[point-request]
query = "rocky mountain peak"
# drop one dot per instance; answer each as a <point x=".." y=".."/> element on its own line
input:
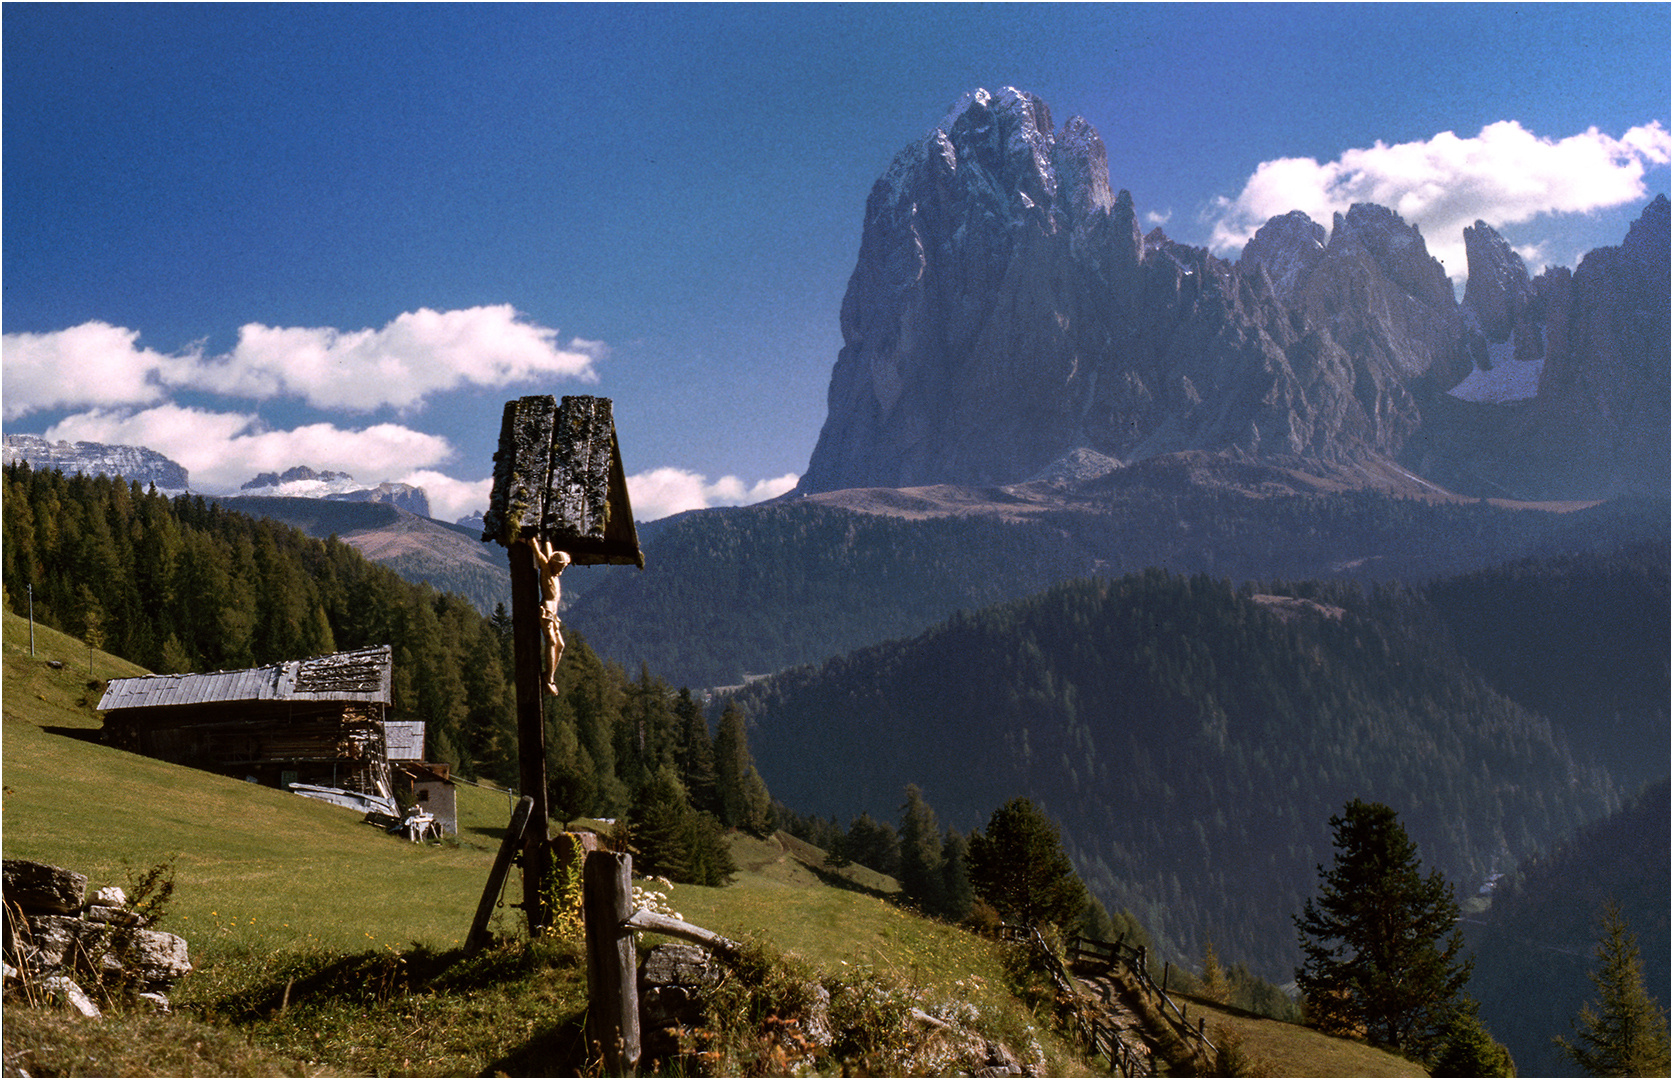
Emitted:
<point x="1646" y="241"/>
<point x="1006" y="310"/>
<point x="1498" y="289"/>
<point x="1398" y="248"/>
<point x="1287" y="247"/>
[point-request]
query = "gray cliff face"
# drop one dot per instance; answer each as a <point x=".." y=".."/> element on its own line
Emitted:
<point x="1005" y="310"/>
<point x="413" y="500"/>
<point x="1499" y="294"/>
<point x="131" y="463"/>
<point x="1591" y="421"/>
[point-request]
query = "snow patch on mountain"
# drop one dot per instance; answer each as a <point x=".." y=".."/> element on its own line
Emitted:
<point x="302" y="482"/>
<point x="1505" y="379"/>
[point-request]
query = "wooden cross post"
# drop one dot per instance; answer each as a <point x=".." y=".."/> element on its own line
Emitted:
<point x="560" y="498"/>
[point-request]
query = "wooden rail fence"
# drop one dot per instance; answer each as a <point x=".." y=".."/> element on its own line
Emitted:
<point x="1090" y="952"/>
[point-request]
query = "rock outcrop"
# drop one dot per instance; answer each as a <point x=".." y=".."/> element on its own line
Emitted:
<point x="1569" y="394"/>
<point x="1005" y="310"/>
<point x="57" y="942"/>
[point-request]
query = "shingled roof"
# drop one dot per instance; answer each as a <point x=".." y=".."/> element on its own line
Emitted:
<point x="362" y="675"/>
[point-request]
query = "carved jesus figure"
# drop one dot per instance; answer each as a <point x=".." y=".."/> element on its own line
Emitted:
<point x="550" y="562"/>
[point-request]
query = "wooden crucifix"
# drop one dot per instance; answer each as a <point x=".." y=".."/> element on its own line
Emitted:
<point x="560" y="499"/>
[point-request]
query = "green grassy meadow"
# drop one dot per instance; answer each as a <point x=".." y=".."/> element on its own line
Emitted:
<point x="323" y="946"/>
<point x="250" y="862"/>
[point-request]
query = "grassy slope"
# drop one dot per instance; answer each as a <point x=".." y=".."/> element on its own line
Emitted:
<point x="263" y="873"/>
<point x="248" y="859"/>
<point x="1274" y="1048"/>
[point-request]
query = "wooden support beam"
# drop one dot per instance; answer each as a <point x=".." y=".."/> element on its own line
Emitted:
<point x="478" y="937"/>
<point x="612" y="967"/>
<point x="651" y="922"/>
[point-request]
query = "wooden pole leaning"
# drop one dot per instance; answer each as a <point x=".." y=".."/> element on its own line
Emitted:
<point x="478" y="936"/>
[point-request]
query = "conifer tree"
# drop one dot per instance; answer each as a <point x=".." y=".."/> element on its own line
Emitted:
<point x="955" y="876"/>
<point x="873" y="844"/>
<point x="696" y="752"/>
<point x="661" y="827"/>
<point x="1019" y="867"/>
<point x="1380" y="943"/>
<point x="744" y="801"/>
<point x="921" y="871"/>
<point x="1214" y="986"/>
<point x="1468" y="1049"/>
<point x="1624" y="1031"/>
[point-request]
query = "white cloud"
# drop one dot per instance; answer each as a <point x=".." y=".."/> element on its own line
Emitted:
<point x="222" y="450"/>
<point x="1158" y="218"/>
<point x="91" y="364"/>
<point x="416" y="355"/>
<point x="1504" y="175"/>
<point x="665" y="491"/>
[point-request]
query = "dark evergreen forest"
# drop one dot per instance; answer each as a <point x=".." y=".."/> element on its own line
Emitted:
<point x="760" y="588"/>
<point x="1534" y="946"/>
<point x="189" y="585"/>
<point x="1193" y="737"/>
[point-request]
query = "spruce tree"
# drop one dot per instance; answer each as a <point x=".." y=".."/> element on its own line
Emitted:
<point x="1214" y="986"/>
<point x="661" y="827"/>
<point x="744" y="801"/>
<point x="1381" y="947"/>
<point x="1468" y="1049"/>
<point x="1624" y="1032"/>
<point x="955" y="876"/>
<point x="1018" y="866"/>
<point x="697" y="753"/>
<point x="921" y="872"/>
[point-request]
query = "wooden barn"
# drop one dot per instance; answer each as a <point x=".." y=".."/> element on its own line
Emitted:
<point x="314" y="722"/>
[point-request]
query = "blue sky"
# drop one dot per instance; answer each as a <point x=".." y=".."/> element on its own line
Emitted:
<point x="343" y="236"/>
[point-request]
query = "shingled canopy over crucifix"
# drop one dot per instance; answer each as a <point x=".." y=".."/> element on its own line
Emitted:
<point x="560" y="498"/>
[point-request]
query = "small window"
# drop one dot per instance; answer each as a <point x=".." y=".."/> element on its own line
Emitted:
<point x="423" y="794"/>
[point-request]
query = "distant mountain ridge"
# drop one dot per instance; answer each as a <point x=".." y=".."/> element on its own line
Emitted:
<point x="1192" y="739"/>
<point x="303" y="482"/>
<point x="1005" y="309"/>
<point x="133" y="463"/>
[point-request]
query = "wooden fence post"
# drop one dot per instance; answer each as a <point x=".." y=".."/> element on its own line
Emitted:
<point x="612" y="968"/>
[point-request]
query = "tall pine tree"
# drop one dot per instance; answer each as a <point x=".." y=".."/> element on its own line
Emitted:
<point x="1019" y="867"/>
<point x="1380" y="943"/>
<point x="1624" y="1032"/>
<point x="922" y="873"/>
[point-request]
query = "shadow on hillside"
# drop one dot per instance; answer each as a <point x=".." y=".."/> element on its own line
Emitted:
<point x="85" y="734"/>
<point x="838" y="881"/>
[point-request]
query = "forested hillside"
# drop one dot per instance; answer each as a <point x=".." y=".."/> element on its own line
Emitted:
<point x="190" y="585"/>
<point x="452" y="558"/>
<point x="1192" y="738"/>
<point x="1536" y="943"/>
<point x="756" y="589"/>
<point x="1581" y="639"/>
